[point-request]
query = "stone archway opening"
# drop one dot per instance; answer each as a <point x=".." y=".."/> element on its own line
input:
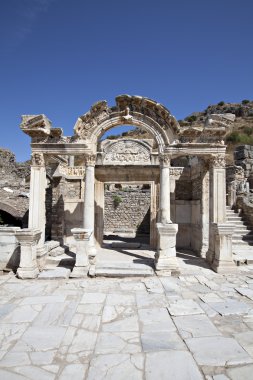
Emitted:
<point x="127" y="213"/>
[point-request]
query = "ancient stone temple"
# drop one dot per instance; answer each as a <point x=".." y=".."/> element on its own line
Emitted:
<point x="183" y="169"/>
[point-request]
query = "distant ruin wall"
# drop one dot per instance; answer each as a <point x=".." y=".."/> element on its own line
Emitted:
<point x="243" y="157"/>
<point x="127" y="210"/>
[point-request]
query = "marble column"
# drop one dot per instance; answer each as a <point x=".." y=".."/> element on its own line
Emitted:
<point x="166" y="247"/>
<point x="28" y="239"/>
<point x="204" y="210"/>
<point x="85" y="242"/>
<point x="37" y="207"/>
<point x="219" y="253"/>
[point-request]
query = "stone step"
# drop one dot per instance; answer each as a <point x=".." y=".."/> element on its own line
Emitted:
<point x="125" y="245"/>
<point x="51" y="244"/>
<point x="124" y="269"/>
<point x="54" y="274"/>
<point x="58" y="251"/>
<point x="63" y="260"/>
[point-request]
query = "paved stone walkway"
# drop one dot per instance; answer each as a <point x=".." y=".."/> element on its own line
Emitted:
<point x="195" y="326"/>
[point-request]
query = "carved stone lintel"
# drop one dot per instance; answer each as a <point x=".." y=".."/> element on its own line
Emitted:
<point x="218" y="161"/>
<point x="90" y="160"/>
<point x="38" y="159"/>
<point x="165" y="160"/>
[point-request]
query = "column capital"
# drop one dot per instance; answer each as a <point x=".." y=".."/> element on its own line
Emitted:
<point x="90" y="160"/>
<point x="217" y="161"/>
<point x="38" y="159"/>
<point x="165" y="159"/>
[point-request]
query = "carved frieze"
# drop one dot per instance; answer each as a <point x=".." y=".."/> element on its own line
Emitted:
<point x="126" y="152"/>
<point x="73" y="171"/>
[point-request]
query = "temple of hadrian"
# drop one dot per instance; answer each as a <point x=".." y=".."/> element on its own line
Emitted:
<point x="183" y="168"/>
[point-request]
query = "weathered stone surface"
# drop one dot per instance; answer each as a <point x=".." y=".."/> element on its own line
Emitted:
<point x="230" y="307"/>
<point x="171" y="365"/>
<point x="118" y="342"/>
<point x="161" y="340"/>
<point x="240" y="373"/>
<point x="75" y="371"/>
<point x="184" y="307"/>
<point x="93" y="298"/>
<point x="40" y="339"/>
<point x="195" y="326"/>
<point x="116" y="366"/>
<point x="217" y="351"/>
<point x="156" y="319"/>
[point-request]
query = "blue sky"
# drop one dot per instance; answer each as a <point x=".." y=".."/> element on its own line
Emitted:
<point x="58" y="57"/>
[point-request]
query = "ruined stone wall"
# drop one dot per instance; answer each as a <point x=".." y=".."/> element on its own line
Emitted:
<point x="243" y="157"/>
<point x="127" y="210"/>
<point x="245" y="204"/>
<point x="13" y="187"/>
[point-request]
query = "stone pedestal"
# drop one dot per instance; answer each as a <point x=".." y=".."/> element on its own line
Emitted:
<point x="28" y="239"/>
<point x="166" y="250"/>
<point x="82" y="237"/>
<point x="223" y="256"/>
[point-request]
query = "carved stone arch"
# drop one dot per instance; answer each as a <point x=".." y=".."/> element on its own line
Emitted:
<point x="10" y="210"/>
<point x="129" y="110"/>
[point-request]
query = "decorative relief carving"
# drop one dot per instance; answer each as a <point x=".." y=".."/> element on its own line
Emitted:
<point x="127" y="115"/>
<point x="90" y="160"/>
<point x="87" y="122"/>
<point x="218" y="161"/>
<point x="176" y="172"/>
<point x="126" y="152"/>
<point x="38" y="159"/>
<point x="73" y="171"/>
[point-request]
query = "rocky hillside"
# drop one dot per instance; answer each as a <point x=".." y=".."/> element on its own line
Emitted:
<point x="241" y="132"/>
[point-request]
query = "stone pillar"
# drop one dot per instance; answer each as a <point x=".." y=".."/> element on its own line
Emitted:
<point x="166" y="247"/>
<point x="37" y="207"/>
<point x="204" y="210"/>
<point x="219" y="252"/>
<point x="28" y="239"/>
<point x="85" y="242"/>
<point x="82" y="237"/>
<point x="99" y="212"/>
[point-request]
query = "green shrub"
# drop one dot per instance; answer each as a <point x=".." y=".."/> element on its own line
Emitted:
<point x="247" y="130"/>
<point x="117" y="200"/>
<point x="237" y="137"/>
<point x="221" y="103"/>
<point x="191" y="118"/>
<point x="245" y="101"/>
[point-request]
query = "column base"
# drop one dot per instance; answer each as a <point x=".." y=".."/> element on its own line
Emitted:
<point x="169" y="264"/>
<point x="82" y="237"/>
<point x="79" y="272"/>
<point x="27" y="273"/>
<point x="223" y="257"/>
<point x="224" y="267"/>
<point x="166" y="253"/>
